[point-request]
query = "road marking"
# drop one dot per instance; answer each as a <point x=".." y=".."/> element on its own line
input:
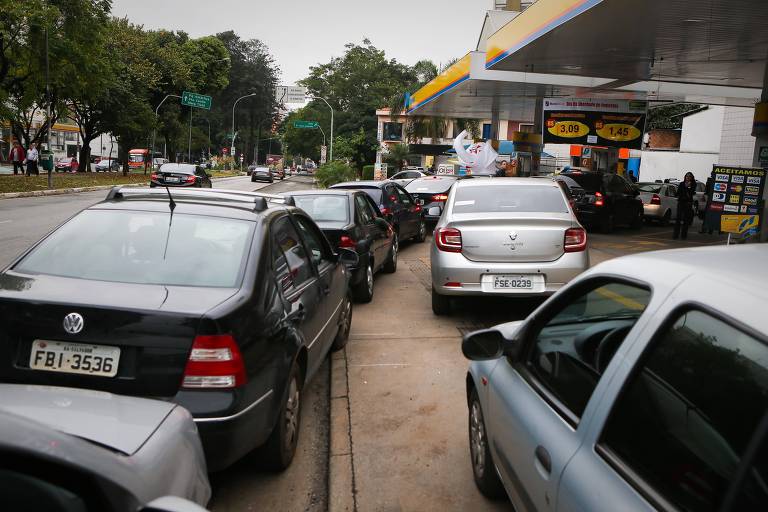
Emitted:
<point x="624" y="301"/>
<point x="5" y="221"/>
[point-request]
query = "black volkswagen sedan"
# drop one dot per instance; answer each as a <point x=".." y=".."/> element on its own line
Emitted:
<point x="180" y="175"/>
<point x="396" y="205"/>
<point x="219" y="301"/>
<point x="351" y="220"/>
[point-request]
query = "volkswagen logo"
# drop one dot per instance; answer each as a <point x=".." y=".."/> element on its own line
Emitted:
<point x="74" y="323"/>
<point x="513" y="236"/>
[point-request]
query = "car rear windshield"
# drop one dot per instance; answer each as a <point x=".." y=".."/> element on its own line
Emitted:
<point x="653" y="188"/>
<point x="510" y="199"/>
<point x="588" y="181"/>
<point x="430" y="185"/>
<point x="373" y="192"/>
<point x="325" y="208"/>
<point x="177" y="169"/>
<point x="145" y="247"/>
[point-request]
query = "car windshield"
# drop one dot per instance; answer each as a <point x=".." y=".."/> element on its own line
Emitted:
<point x="144" y="247"/>
<point x="324" y="208"/>
<point x="653" y="188"/>
<point x="509" y="199"/>
<point x="136" y="158"/>
<point x="430" y="185"/>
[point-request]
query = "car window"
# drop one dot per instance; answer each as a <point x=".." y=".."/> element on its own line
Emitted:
<point x="391" y="195"/>
<point x="572" y="350"/>
<point x="405" y="199"/>
<point x="688" y="413"/>
<point x="372" y="207"/>
<point x="399" y="176"/>
<point x="314" y="239"/>
<point x="324" y="208"/>
<point x="509" y="199"/>
<point x="671" y="191"/>
<point x="752" y="491"/>
<point x="613" y="184"/>
<point x="363" y="210"/>
<point x="286" y="240"/>
<point x="652" y="188"/>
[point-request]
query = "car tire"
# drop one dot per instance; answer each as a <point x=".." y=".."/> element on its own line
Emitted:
<point x="253" y="180"/>
<point x="363" y="291"/>
<point x="637" y="222"/>
<point x="345" y="324"/>
<point x="280" y="448"/>
<point x="483" y="469"/>
<point x="390" y="267"/>
<point x="606" y="224"/>
<point x="422" y="234"/>
<point x="441" y="304"/>
<point x="665" y="220"/>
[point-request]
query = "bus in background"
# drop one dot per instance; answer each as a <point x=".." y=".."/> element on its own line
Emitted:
<point x="139" y="159"/>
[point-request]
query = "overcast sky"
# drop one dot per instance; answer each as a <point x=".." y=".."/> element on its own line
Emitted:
<point x="302" y="33"/>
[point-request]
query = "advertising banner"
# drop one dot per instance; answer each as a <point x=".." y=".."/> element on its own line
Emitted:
<point x="736" y="197"/>
<point x="603" y="122"/>
<point x="380" y="172"/>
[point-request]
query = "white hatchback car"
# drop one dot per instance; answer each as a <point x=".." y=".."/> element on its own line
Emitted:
<point x="505" y="236"/>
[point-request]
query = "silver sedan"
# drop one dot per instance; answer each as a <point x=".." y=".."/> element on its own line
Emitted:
<point x="505" y="236"/>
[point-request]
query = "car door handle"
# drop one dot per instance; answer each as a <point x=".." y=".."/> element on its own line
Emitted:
<point x="542" y="455"/>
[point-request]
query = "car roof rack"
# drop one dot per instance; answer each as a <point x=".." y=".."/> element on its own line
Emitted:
<point x="258" y="200"/>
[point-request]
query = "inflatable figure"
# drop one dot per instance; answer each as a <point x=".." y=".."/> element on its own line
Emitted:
<point x="479" y="158"/>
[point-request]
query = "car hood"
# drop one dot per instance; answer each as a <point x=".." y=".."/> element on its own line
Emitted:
<point x="120" y="423"/>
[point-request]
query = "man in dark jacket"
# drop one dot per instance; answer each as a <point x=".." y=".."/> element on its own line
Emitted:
<point x="685" y="192"/>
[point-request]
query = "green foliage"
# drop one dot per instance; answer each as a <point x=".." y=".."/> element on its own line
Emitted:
<point x="368" y="172"/>
<point x="397" y="157"/>
<point x="332" y="173"/>
<point x="668" y="117"/>
<point x="353" y="148"/>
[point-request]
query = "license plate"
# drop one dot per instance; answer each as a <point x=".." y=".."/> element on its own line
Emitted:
<point x="512" y="282"/>
<point x="59" y="356"/>
<point x="172" y="179"/>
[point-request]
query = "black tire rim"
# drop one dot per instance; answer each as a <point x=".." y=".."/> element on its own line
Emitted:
<point x="477" y="440"/>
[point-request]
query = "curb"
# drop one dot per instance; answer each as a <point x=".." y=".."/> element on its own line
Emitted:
<point x="341" y="475"/>
<point x="62" y="191"/>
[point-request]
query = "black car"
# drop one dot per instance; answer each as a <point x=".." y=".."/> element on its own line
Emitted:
<point x="218" y="301"/>
<point x="351" y="220"/>
<point x="180" y="175"/>
<point x="262" y="174"/>
<point x="432" y="191"/>
<point x="607" y="200"/>
<point x="396" y="205"/>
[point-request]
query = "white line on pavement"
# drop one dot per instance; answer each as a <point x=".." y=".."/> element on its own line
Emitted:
<point x="5" y="221"/>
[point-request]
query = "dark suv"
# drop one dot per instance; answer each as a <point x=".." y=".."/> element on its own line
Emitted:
<point x="608" y="200"/>
<point x="396" y="205"/>
<point x="218" y="301"/>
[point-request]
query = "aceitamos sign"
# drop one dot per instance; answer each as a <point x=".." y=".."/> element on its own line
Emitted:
<point x="598" y="122"/>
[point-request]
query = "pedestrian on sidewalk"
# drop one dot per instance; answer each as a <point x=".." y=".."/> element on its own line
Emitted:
<point x="685" y="193"/>
<point x="17" y="156"/>
<point x="32" y="158"/>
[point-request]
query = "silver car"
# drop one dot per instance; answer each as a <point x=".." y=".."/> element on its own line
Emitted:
<point x="133" y="450"/>
<point x="659" y="201"/>
<point x="643" y="385"/>
<point x="505" y="236"/>
<point x="407" y="176"/>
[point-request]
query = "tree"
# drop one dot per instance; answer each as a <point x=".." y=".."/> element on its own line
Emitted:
<point x="353" y="148"/>
<point x="304" y="142"/>
<point x="332" y="173"/>
<point x="397" y="156"/>
<point x="668" y="116"/>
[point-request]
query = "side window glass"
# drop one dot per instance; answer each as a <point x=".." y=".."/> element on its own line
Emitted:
<point x="404" y="197"/>
<point x="752" y="493"/>
<point x="687" y="414"/>
<point x="391" y="196"/>
<point x="361" y="205"/>
<point x="573" y="349"/>
<point x="372" y="208"/>
<point x="314" y="240"/>
<point x="289" y="254"/>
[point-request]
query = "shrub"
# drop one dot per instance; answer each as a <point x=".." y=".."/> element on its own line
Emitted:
<point x="368" y="172"/>
<point x="332" y="173"/>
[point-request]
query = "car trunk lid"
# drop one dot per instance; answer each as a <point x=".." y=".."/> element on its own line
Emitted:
<point x="512" y="238"/>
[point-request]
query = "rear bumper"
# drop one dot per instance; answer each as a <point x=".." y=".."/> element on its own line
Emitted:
<point x="229" y="436"/>
<point x="154" y="183"/>
<point x="476" y="278"/>
<point x="655" y="211"/>
<point x="261" y="178"/>
<point x="590" y="217"/>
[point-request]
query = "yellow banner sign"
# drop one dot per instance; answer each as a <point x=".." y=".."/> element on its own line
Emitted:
<point x="619" y="132"/>
<point x="569" y="129"/>
<point x="738" y="223"/>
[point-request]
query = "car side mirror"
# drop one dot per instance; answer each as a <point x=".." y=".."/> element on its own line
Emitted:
<point x="172" y="504"/>
<point x="434" y="211"/>
<point x="488" y="344"/>
<point x="349" y="258"/>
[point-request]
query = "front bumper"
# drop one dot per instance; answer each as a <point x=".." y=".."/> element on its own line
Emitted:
<point x="476" y="278"/>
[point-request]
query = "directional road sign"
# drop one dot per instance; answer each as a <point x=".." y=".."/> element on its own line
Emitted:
<point x="291" y="94"/>
<point x="192" y="99"/>
<point x="308" y="125"/>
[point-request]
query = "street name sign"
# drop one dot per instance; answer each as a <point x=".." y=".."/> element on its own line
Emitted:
<point x="192" y="99"/>
<point x="307" y="125"/>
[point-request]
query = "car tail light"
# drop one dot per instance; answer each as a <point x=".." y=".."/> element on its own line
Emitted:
<point x="655" y="199"/>
<point x="575" y="240"/>
<point x="384" y="210"/>
<point x="440" y="198"/>
<point x="154" y="176"/>
<point x="346" y="242"/>
<point x="214" y="363"/>
<point x="452" y="284"/>
<point x="599" y="199"/>
<point x="191" y="178"/>
<point x="448" y="239"/>
<point x="393" y="198"/>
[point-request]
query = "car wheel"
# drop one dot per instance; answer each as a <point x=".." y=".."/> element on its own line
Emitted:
<point x="637" y="222"/>
<point x="363" y="291"/>
<point x="606" y="224"/>
<point x="390" y="267"/>
<point x="281" y="445"/>
<point x="422" y="235"/>
<point x="486" y="478"/>
<point x="253" y="180"/>
<point x="441" y="304"/>
<point x="666" y="218"/>
<point x="345" y="324"/>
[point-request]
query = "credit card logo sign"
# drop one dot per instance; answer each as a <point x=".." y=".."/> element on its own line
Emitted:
<point x="730" y="208"/>
<point x="720" y="198"/>
<point x="734" y="199"/>
<point x="750" y="200"/>
<point x="737" y="188"/>
<point x="737" y="179"/>
<point x="754" y="180"/>
<point x="721" y="177"/>
<point x="716" y="207"/>
<point x="751" y="190"/>
<point x="721" y="187"/>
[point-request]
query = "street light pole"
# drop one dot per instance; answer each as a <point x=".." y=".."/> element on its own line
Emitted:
<point x="330" y="107"/>
<point x="48" y="100"/>
<point x="154" y="131"/>
<point x="232" y="148"/>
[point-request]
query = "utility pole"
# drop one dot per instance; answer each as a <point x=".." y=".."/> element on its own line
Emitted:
<point x="189" y="146"/>
<point x="330" y="159"/>
<point x="48" y="99"/>
<point x="232" y="148"/>
<point x="154" y="132"/>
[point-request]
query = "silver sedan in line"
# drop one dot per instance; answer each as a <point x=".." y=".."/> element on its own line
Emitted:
<point x="509" y="237"/>
<point x="98" y="451"/>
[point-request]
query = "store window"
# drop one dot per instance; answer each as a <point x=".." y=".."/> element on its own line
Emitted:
<point x="393" y="131"/>
<point x="486" y="131"/>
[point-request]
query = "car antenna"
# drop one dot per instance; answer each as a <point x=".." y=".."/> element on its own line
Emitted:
<point x="172" y="206"/>
<point x="171" y="202"/>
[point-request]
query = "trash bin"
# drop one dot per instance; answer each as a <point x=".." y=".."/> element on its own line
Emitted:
<point x="46" y="160"/>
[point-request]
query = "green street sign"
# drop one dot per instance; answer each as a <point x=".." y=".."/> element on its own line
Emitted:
<point x="192" y="99"/>
<point x="308" y="125"/>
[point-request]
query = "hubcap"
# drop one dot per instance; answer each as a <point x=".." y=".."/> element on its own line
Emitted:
<point x="422" y="230"/>
<point x="477" y="439"/>
<point x="346" y="321"/>
<point x="292" y="414"/>
<point x="369" y="278"/>
<point x="395" y="250"/>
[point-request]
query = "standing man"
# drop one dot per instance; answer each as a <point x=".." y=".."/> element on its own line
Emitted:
<point x="17" y="156"/>
<point x="32" y="158"/>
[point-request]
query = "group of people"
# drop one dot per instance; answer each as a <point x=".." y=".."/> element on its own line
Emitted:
<point x="19" y="157"/>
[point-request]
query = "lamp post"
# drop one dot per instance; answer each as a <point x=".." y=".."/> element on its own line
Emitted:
<point x="48" y="99"/>
<point x="232" y="148"/>
<point x="330" y="159"/>
<point x="154" y="131"/>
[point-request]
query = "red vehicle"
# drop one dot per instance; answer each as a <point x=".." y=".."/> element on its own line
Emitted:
<point x="139" y="159"/>
<point x="66" y="164"/>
